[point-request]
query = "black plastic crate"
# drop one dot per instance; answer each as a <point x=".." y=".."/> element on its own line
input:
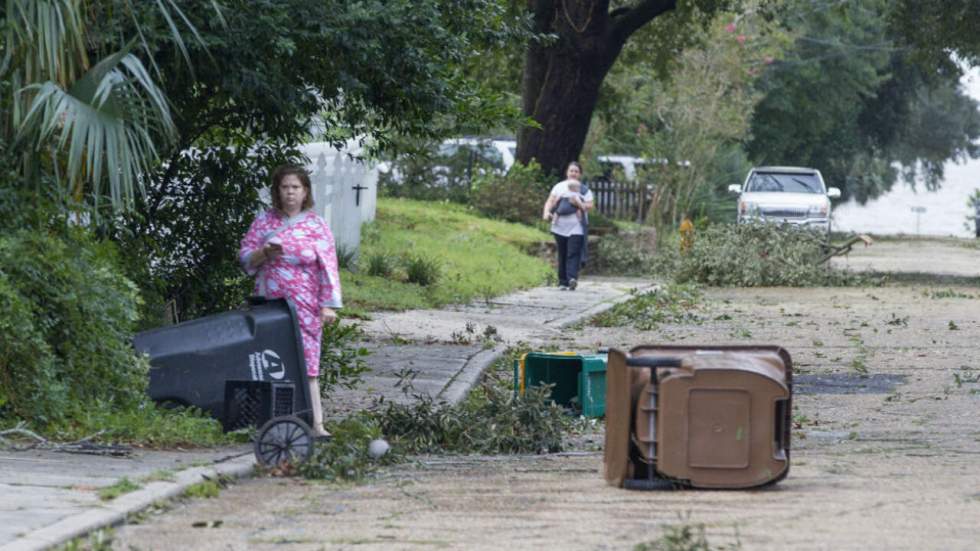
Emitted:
<point x="252" y="403"/>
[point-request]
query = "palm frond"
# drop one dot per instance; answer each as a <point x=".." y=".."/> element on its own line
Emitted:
<point x="106" y="124"/>
<point x="44" y="38"/>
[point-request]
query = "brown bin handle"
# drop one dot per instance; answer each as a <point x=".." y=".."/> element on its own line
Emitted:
<point x="653" y="362"/>
<point x="781" y="429"/>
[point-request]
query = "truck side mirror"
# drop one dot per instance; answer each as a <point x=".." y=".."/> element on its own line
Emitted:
<point x="735" y="188"/>
<point x="833" y="193"/>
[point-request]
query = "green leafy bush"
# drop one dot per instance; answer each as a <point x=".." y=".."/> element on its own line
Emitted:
<point x="67" y="366"/>
<point x="342" y="357"/>
<point x="758" y="255"/>
<point x="65" y="327"/>
<point x="422" y="270"/>
<point x="620" y="254"/>
<point x="516" y="197"/>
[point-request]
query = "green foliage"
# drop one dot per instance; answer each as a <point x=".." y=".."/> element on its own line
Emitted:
<point x="67" y="366"/>
<point x="479" y="258"/>
<point x="517" y="196"/>
<point x="100" y="540"/>
<point x="342" y="361"/>
<point x="685" y="537"/>
<point x="422" y="270"/>
<point x="145" y="424"/>
<point x="696" y="119"/>
<point x="65" y="329"/>
<point x="345" y="456"/>
<point x="380" y="265"/>
<point x="491" y="420"/>
<point x="673" y="303"/>
<point x="934" y="28"/>
<point x="848" y="99"/>
<point x="621" y="254"/>
<point x="563" y="76"/>
<point x="346" y="258"/>
<point x="206" y="489"/>
<point x="973" y="203"/>
<point x="431" y="171"/>
<point x="86" y="118"/>
<point x="758" y="255"/>
<point x="182" y="242"/>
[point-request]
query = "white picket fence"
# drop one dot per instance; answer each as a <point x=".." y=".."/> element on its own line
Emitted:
<point x="345" y="190"/>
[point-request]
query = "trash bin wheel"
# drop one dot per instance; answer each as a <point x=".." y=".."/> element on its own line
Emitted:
<point x="283" y="439"/>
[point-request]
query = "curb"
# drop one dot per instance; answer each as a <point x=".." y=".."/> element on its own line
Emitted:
<point x="463" y="381"/>
<point x="460" y="384"/>
<point x="572" y="319"/>
<point x="116" y="512"/>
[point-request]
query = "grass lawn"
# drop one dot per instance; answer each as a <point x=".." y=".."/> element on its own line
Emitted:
<point x="475" y="258"/>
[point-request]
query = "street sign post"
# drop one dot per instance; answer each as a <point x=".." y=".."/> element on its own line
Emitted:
<point x="919" y="211"/>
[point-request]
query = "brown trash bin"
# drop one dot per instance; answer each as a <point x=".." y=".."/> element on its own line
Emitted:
<point x="698" y="416"/>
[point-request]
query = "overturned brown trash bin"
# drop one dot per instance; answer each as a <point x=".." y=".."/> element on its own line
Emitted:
<point x="698" y="416"/>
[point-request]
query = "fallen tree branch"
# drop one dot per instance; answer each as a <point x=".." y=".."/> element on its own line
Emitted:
<point x="36" y="441"/>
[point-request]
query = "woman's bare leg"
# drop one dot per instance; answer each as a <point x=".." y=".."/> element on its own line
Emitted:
<point x="317" y="405"/>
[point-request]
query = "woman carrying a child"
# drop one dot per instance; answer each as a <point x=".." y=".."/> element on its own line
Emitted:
<point x="567" y="207"/>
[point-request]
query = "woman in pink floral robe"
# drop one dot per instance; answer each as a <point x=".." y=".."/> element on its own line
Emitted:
<point x="291" y="253"/>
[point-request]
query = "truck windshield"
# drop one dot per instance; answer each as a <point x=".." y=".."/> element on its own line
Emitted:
<point x="786" y="183"/>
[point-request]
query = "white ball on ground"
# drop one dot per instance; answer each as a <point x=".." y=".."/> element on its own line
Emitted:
<point x="378" y="448"/>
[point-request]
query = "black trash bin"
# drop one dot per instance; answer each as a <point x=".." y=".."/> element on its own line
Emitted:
<point x="242" y="367"/>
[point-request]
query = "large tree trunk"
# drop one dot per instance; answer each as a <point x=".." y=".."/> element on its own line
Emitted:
<point x="561" y="80"/>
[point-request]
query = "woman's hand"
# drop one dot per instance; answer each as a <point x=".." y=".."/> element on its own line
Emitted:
<point x="327" y="315"/>
<point x="271" y="251"/>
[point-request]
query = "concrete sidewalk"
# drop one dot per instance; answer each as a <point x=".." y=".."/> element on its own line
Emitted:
<point x="47" y="498"/>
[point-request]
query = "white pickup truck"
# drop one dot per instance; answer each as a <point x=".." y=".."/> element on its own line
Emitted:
<point x="782" y="194"/>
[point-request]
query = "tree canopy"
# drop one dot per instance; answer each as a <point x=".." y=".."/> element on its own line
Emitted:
<point x="848" y="99"/>
<point x="935" y="29"/>
<point x="562" y="77"/>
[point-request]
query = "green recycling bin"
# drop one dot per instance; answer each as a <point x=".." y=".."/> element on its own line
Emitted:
<point x="579" y="379"/>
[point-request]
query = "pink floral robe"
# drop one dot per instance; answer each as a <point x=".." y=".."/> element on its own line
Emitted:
<point x="306" y="272"/>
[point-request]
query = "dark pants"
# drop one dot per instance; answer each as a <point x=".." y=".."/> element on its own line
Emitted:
<point x="569" y="257"/>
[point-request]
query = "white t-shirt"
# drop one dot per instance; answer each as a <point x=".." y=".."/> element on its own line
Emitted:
<point x="568" y="224"/>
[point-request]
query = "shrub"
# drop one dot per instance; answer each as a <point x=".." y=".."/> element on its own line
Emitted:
<point x="29" y="385"/>
<point x="757" y="255"/>
<point x="620" y="254"/>
<point x="65" y="328"/>
<point x="422" y="270"/>
<point x="342" y="357"/>
<point x="516" y="197"/>
<point x="380" y="265"/>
